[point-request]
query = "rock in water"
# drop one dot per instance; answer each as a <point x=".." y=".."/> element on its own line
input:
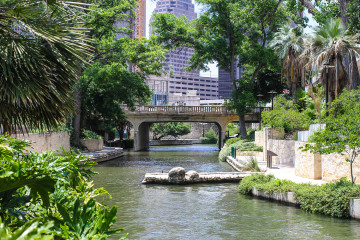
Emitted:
<point x="192" y="175"/>
<point x="177" y="175"/>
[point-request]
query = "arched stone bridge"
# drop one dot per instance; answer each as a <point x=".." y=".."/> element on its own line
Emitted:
<point x="143" y="116"/>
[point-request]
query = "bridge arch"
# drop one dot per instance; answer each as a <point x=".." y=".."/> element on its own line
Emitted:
<point x="143" y="116"/>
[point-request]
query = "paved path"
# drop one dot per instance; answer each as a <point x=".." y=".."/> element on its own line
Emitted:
<point x="106" y="154"/>
<point x="288" y="173"/>
<point x="279" y="171"/>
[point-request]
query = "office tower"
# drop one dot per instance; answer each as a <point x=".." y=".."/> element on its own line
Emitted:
<point x="225" y="83"/>
<point x="177" y="59"/>
<point x="138" y="25"/>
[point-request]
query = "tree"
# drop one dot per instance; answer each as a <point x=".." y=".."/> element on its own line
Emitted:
<point x="331" y="44"/>
<point x="342" y="132"/>
<point x="111" y="87"/>
<point x="288" y="43"/>
<point x="174" y="129"/>
<point x="224" y="33"/>
<point x="101" y="20"/>
<point x="41" y="47"/>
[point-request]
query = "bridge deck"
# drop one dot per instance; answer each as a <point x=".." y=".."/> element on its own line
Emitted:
<point x="221" y="110"/>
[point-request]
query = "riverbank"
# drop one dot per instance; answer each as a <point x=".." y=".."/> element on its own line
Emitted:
<point x="336" y="199"/>
<point x="106" y="154"/>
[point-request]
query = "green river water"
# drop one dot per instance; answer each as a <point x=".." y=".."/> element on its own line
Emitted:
<point x="202" y="211"/>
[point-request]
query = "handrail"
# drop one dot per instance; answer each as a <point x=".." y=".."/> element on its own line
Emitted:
<point x="184" y="109"/>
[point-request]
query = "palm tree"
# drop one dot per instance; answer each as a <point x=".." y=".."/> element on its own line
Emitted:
<point x="41" y="48"/>
<point x="289" y="44"/>
<point x="331" y="44"/>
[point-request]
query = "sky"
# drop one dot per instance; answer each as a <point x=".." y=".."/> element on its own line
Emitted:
<point x="213" y="72"/>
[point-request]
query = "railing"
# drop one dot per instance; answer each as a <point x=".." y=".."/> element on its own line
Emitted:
<point x="184" y="109"/>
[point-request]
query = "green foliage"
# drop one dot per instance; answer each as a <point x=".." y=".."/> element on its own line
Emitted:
<point x="285" y="116"/>
<point x="37" y="76"/>
<point x="31" y="230"/>
<point x="210" y="137"/>
<point x="253" y="180"/>
<point x="43" y="196"/>
<point x="240" y="145"/>
<point x="128" y="143"/>
<point x="327" y="9"/>
<point x="342" y="132"/>
<point x="242" y="99"/>
<point x="174" y="129"/>
<point x="232" y="129"/>
<point x="353" y="13"/>
<point x="251" y="165"/>
<point x="329" y="199"/>
<point x="88" y="134"/>
<point x="230" y="141"/>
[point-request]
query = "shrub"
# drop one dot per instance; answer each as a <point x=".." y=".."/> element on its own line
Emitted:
<point x="247" y="183"/>
<point x="128" y="143"/>
<point x="210" y="137"/>
<point x="251" y="165"/>
<point x="88" y="134"/>
<point x="329" y="199"/>
<point x="285" y="116"/>
<point x="240" y="145"/>
<point x="230" y="141"/>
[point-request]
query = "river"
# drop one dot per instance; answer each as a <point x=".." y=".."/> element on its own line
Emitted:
<point x="202" y="211"/>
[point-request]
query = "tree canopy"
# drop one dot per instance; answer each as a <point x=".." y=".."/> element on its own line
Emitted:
<point x="41" y="46"/>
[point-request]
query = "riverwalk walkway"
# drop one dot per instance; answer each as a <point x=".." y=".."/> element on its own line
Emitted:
<point x="108" y="153"/>
<point x="283" y="172"/>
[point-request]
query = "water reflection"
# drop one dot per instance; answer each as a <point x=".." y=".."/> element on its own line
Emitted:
<point x="203" y="211"/>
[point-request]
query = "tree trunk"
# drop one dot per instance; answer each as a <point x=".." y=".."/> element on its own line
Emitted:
<point x="310" y="7"/>
<point x="293" y="89"/>
<point x="354" y="73"/>
<point x="77" y="115"/>
<point x="242" y="127"/>
<point x="343" y="12"/>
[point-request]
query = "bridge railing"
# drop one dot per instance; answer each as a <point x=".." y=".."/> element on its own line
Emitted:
<point x="185" y="109"/>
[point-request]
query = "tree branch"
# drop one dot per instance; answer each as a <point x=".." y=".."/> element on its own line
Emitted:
<point x="311" y="8"/>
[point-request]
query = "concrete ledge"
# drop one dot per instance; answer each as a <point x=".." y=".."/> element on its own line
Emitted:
<point x="215" y="177"/>
<point x="355" y="208"/>
<point x="174" y="142"/>
<point x="93" y="144"/>
<point x="287" y="197"/>
<point x="108" y="153"/>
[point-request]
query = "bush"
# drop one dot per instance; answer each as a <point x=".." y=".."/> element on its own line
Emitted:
<point x="240" y="145"/>
<point x="210" y="137"/>
<point x="128" y="143"/>
<point x="88" y="134"/>
<point x="330" y="199"/>
<point x="247" y="183"/>
<point x="285" y="116"/>
<point x="251" y="165"/>
<point x="230" y="141"/>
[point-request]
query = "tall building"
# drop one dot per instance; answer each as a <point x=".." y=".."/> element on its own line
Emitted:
<point x="225" y="83"/>
<point x="138" y="25"/>
<point x="177" y="59"/>
<point x="181" y="82"/>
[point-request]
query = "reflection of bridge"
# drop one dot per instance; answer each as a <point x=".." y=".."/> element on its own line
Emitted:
<point x="143" y="116"/>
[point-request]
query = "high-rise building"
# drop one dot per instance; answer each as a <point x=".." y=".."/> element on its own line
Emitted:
<point x="181" y="82"/>
<point x="225" y="83"/>
<point x="177" y="59"/>
<point x="138" y="25"/>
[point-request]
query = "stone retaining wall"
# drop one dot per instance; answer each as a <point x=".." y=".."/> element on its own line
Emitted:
<point x="93" y="145"/>
<point x="285" y="150"/>
<point x="335" y="166"/>
<point x="52" y="141"/>
<point x="307" y="164"/>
